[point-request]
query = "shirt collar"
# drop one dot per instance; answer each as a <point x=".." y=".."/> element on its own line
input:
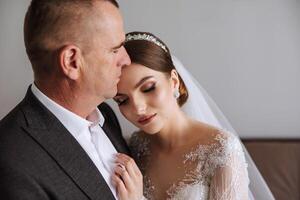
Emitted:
<point x="72" y="122"/>
<point x="96" y="117"/>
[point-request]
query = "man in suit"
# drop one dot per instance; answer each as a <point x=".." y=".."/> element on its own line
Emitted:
<point x="56" y="144"/>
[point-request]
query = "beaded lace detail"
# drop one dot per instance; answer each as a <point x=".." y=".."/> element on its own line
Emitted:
<point x="219" y="170"/>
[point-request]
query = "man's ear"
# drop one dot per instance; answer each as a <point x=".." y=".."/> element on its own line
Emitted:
<point x="70" y="61"/>
<point x="174" y="79"/>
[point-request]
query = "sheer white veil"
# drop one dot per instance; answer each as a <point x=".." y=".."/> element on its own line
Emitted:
<point x="201" y="107"/>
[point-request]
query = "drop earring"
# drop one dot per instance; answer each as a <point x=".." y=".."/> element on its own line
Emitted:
<point x="176" y="93"/>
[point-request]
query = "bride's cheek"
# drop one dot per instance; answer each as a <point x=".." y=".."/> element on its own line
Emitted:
<point x="161" y="97"/>
<point x="125" y="112"/>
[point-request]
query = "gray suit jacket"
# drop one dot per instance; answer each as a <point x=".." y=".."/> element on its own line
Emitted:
<point x="40" y="159"/>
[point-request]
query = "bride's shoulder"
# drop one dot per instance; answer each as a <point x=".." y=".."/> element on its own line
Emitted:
<point x="217" y="145"/>
<point x="214" y="136"/>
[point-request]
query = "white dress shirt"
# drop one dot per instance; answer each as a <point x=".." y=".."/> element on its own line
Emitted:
<point x="88" y="133"/>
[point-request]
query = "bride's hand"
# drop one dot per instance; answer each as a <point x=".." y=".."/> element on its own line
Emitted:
<point x="127" y="178"/>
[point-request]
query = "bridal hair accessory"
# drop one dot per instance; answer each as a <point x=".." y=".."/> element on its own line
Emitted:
<point x="146" y="37"/>
<point x="176" y="94"/>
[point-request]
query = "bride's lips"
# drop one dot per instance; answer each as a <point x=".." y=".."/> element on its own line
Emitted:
<point x="146" y="119"/>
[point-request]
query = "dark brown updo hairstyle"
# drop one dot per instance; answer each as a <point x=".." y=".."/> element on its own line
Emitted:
<point x="153" y="56"/>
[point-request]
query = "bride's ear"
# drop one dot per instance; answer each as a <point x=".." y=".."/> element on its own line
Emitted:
<point x="174" y="79"/>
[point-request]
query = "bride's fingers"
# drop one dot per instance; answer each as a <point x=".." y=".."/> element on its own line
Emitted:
<point x="120" y="187"/>
<point x="129" y="163"/>
<point x="127" y="171"/>
<point x="127" y="180"/>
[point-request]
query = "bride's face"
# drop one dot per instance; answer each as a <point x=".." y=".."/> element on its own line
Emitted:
<point x="145" y="97"/>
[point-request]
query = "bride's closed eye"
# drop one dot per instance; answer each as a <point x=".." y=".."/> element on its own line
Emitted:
<point x="120" y="100"/>
<point x="148" y="87"/>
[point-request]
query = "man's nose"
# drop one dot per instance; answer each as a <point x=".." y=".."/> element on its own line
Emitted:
<point x="125" y="59"/>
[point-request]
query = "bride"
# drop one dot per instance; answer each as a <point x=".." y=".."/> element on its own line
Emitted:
<point x="181" y="148"/>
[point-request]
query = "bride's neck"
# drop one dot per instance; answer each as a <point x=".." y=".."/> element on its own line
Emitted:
<point x="174" y="132"/>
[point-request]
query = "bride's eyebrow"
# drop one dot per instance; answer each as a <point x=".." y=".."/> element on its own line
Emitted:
<point x="142" y="81"/>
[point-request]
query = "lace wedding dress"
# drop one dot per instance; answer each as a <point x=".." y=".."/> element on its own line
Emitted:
<point x="213" y="171"/>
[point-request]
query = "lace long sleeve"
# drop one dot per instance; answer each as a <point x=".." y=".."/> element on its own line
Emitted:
<point x="230" y="180"/>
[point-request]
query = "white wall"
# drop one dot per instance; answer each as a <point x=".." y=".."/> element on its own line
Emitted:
<point x="244" y="52"/>
<point x="15" y="69"/>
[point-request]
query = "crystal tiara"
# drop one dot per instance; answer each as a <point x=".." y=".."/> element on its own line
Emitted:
<point x="147" y="37"/>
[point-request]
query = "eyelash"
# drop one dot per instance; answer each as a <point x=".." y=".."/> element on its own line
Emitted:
<point x="152" y="87"/>
<point x="118" y="49"/>
<point x="145" y="91"/>
<point x="121" y="102"/>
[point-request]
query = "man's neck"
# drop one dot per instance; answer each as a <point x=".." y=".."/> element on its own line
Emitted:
<point x="70" y="98"/>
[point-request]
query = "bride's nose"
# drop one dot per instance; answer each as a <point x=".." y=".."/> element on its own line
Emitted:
<point x="140" y="107"/>
<point x="141" y="110"/>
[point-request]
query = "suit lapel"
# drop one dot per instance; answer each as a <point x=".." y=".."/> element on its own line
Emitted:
<point x="46" y="129"/>
<point x="109" y="132"/>
<point x="114" y="133"/>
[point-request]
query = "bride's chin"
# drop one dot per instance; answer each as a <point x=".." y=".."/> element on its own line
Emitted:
<point x="150" y="130"/>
